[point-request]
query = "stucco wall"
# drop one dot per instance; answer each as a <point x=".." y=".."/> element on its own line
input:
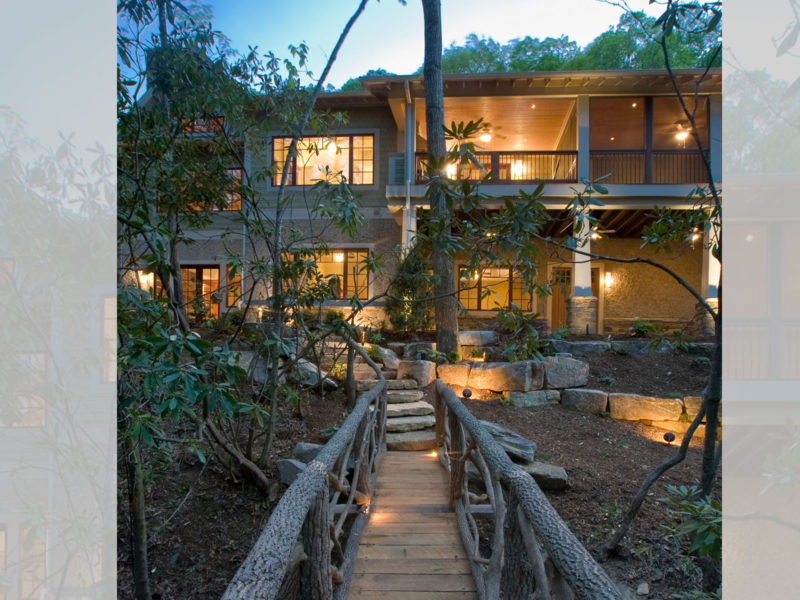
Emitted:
<point x="639" y="290"/>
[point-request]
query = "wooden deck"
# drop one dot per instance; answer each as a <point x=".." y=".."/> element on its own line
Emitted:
<point x="411" y="548"/>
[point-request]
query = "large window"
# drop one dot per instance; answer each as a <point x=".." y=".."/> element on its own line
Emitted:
<point x="200" y="290"/>
<point x="348" y="264"/>
<point x="494" y="283"/>
<point x="233" y="291"/>
<point x="326" y="158"/>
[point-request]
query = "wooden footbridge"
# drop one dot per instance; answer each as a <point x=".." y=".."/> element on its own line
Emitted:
<point x="461" y="521"/>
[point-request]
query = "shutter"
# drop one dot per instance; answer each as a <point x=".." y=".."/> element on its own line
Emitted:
<point x="397" y="169"/>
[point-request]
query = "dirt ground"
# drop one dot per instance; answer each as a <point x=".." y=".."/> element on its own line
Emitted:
<point x="203" y="520"/>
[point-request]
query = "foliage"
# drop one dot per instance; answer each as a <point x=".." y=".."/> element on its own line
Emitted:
<point x="235" y="317"/>
<point x="412" y="282"/>
<point x="642" y="328"/>
<point x="440" y="358"/>
<point x="607" y="380"/>
<point x="523" y="341"/>
<point x="354" y="84"/>
<point x="701" y="361"/>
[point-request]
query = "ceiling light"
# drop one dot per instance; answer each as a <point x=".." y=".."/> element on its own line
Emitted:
<point x="612" y="138"/>
<point x="486" y="138"/>
<point x="633" y="105"/>
<point x="533" y="106"/>
<point x="338" y="257"/>
<point x="681" y="135"/>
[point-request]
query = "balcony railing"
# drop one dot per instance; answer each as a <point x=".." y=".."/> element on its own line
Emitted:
<point x="640" y="166"/>
<point x="558" y="166"/>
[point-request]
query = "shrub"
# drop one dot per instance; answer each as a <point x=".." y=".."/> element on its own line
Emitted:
<point x="412" y="281"/>
<point x="701" y="361"/>
<point x="607" y="380"/>
<point x="642" y="328"/>
<point x="523" y="341"/>
<point x="235" y="317"/>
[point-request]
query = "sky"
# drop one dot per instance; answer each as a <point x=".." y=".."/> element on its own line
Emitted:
<point x="389" y="35"/>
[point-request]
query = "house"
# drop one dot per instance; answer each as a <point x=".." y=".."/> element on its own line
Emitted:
<point x="562" y="128"/>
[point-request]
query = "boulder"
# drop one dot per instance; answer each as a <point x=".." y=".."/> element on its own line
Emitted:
<point x="639" y="346"/>
<point x="411" y="441"/>
<point x="477" y="393"/>
<point x="692" y="405"/>
<point x="513" y="443"/>
<point x="521" y="376"/>
<point x="477" y="338"/>
<point x="421" y="371"/>
<point x="396" y="347"/>
<point x="306" y="373"/>
<point x="587" y="348"/>
<point x="549" y="477"/>
<point x="389" y="359"/>
<point x="306" y="451"/>
<point x="289" y="469"/>
<point x="391" y="384"/>
<point x="586" y="401"/>
<point x="456" y="375"/>
<point x="260" y="369"/>
<point x="409" y="409"/>
<point x="702" y="348"/>
<point x="630" y="407"/>
<point x="401" y="424"/>
<point x="563" y="372"/>
<point x="411" y="350"/>
<point x="532" y="398"/>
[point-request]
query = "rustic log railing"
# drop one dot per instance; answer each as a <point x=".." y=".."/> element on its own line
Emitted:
<point x="309" y="544"/>
<point x="517" y="544"/>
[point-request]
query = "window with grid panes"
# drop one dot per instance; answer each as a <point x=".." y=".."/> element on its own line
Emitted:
<point x="324" y="158"/>
<point x="347" y="264"/>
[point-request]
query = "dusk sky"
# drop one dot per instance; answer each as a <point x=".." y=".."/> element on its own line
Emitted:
<point x="389" y="35"/>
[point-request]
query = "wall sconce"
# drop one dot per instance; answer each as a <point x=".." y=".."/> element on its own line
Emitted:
<point x="338" y="257"/>
<point x="450" y="171"/>
<point x="607" y="280"/>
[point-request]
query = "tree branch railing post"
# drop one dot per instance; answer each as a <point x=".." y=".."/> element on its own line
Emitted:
<point x="531" y="551"/>
<point x="300" y="552"/>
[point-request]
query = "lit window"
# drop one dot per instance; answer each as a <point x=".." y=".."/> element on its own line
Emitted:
<point x="205" y="125"/>
<point x="349" y="268"/>
<point x="321" y="158"/>
<point x="200" y="291"/>
<point x="233" y="292"/>
<point x="489" y="288"/>
<point x="32" y="558"/>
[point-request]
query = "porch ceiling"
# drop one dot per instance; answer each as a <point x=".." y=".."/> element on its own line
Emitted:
<point x="622" y="223"/>
<point x="517" y="123"/>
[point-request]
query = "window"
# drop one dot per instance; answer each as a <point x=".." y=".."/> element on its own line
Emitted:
<point x="32" y="555"/>
<point x="232" y="193"/>
<point x="348" y="265"/>
<point x="233" y="292"/>
<point x="200" y="291"/>
<point x="498" y="281"/>
<point x="213" y="124"/>
<point x="109" y="340"/>
<point x="319" y="158"/>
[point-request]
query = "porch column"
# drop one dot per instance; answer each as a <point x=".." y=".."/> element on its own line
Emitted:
<point x="409" y="213"/>
<point x="582" y="112"/>
<point x="715" y="136"/>
<point x="582" y="304"/>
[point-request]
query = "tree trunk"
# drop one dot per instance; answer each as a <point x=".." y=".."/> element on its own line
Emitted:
<point x="136" y="504"/>
<point x="712" y="394"/>
<point x="444" y="288"/>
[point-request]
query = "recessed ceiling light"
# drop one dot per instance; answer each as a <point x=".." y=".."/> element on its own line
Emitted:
<point x="533" y="106"/>
<point x="633" y="105"/>
<point x="612" y="138"/>
<point x="486" y="138"/>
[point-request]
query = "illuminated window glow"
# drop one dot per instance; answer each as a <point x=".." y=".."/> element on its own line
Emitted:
<point x="320" y="158"/>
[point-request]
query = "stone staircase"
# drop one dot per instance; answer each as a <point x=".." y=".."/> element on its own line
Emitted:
<point x="409" y="419"/>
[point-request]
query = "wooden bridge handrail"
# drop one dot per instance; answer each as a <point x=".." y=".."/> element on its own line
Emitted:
<point x="584" y="575"/>
<point x="262" y="573"/>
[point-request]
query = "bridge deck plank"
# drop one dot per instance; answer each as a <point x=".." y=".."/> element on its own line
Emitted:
<point x="411" y="548"/>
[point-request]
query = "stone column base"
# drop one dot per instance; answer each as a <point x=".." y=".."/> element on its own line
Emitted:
<point x="582" y="314"/>
<point x="702" y="323"/>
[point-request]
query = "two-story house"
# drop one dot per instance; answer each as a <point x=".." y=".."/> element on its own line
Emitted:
<point x="556" y="127"/>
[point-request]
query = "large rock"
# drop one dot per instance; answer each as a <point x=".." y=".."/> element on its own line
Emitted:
<point x="306" y="451"/>
<point x="476" y="393"/>
<point x="411" y="441"/>
<point x="411" y="350"/>
<point x="692" y="405"/>
<point x="588" y="348"/>
<point x="306" y="373"/>
<point x="404" y="396"/>
<point x="409" y="409"/>
<point x="289" y="469"/>
<point x="532" y="398"/>
<point x="564" y="372"/>
<point x="630" y="407"/>
<point x="549" y="477"/>
<point x="389" y="359"/>
<point x="421" y="371"/>
<point x="396" y="347"/>
<point x="521" y="376"/>
<point x="401" y="424"/>
<point x="640" y="346"/>
<point x="586" y="401"/>
<point x="456" y="375"/>
<point x="702" y="348"/>
<point x="513" y="443"/>
<point x="477" y="338"/>
<point x="260" y="368"/>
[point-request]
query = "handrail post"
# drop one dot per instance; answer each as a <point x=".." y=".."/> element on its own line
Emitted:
<point x="316" y="571"/>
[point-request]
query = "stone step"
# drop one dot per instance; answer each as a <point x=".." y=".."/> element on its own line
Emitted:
<point x="411" y="441"/>
<point x="391" y="384"/>
<point x="403" y="396"/>
<point x="401" y="424"/>
<point x="409" y="409"/>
